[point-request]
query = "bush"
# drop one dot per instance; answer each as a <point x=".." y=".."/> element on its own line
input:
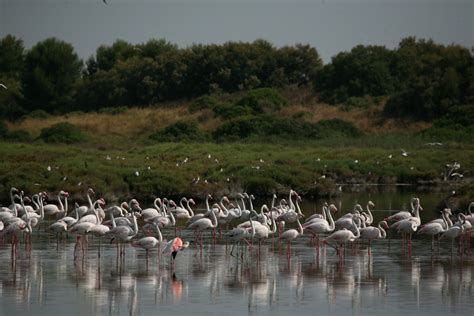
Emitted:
<point x="263" y="100"/>
<point x="180" y="131"/>
<point x="267" y="126"/>
<point x="113" y="110"/>
<point x="334" y="127"/>
<point x="39" y="114"/>
<point x="228" y="111"/>
<point x="62" y="133"/>
<point x="203" y="102"/>
<point x="19" y="136"/>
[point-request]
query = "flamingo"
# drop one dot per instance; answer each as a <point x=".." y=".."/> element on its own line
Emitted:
<point x="53" y="209"/>
<point x="321" y="226"/>
<point x="402" y="214"/>
<point x="452" y="233"/>
<point x="173" y="246"/>
<point x="434" y="228"/>
<point x="238" y="234"/>
<point x="123" y="233"/>
<point x="370" y="233"/>
<point x="292" y="234"/>
<point x="82" y="210"/>
<point x="343" y="236"/>
<point x="149" y="242"/>
<point x="204" y="223"/>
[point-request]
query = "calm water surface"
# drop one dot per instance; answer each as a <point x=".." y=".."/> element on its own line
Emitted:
<point x="48" y="281"/>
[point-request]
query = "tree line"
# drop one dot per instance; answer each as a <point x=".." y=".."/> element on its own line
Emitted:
<point x="421" y="79"/>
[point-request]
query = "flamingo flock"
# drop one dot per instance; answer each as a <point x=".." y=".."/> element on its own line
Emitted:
<point x="129" y="223"/>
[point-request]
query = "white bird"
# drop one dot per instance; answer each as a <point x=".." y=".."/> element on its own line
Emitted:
<point x="370" y="233"/>
<point x="292" y="234"/>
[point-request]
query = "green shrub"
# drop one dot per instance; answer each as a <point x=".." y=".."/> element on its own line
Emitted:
<point x="180" y="131"/>
<point x="203" y="102"/>
<point x="19" y="136"/>
<point x="267" y="127"/>
<point x="39" y="114"/>
<point x="358" y="102"/>
<point x="335" y="127"/>
<point x="263" y="100"/>
<point x="227" y="111"/>
<point x="113" y="110"/>
<point x="62" y="133"/>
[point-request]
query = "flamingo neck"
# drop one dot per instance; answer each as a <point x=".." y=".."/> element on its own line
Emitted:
<point x="41" y="207"/>
<point x="357" y="234"/>
<point x="160" y="236"/>
<point x="226" y="211"/>
<point x="15" y="209"/>
<point x="292" y="206"/>
<point x="299" y="226"/>
<point x="332" y="225"/>
<point x="274" y="228"/>
<point x="298" y="207"/>
<point x="371" y="218"/>
<point x="91" y="205"/>
<point x="181" y="203"/>
<point x="214" y="219"/>
<point x="190" y="210"/>
<point x="61" y="205"/>
<point x="383" y="233"/>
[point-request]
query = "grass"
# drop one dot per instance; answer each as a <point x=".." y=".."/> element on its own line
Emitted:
<point x="118" y="145"/>
<point x="162" y="170"/>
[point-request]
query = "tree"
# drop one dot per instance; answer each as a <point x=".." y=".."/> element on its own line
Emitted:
<point x="11" y="56"/>
<point x="365" y="70"/>
<point x="11" y="67"/>
<point x="51" y="71"/>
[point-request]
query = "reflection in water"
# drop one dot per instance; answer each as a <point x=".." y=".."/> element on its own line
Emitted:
<point x="49" y="282"/>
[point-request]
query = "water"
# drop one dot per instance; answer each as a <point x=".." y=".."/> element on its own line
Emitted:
<point x="47" y="281"/>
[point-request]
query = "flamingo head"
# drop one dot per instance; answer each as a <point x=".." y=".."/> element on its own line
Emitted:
<point x="27" y="199"/>
<point x="226" y="199"/>
<point x="90" y="191"/>
<point x="357" y="208"/>
<point x="246" y="195"/>
<point x="333" y="208"/>
<point x="172" y="203"/>
<point x="191" y="201"/>
<point x="252" y="197"/>
<point x="13" y="190"/>
<point x="101" y="202"/>
<point x="240" y="195"/>
<point x="384" y="224"/>
<point x="264" y="208"/>
<point x="371" y="204"/>
<point x="209" y="196"/>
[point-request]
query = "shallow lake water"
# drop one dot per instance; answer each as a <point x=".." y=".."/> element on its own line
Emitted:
<point x="48" y="281"/>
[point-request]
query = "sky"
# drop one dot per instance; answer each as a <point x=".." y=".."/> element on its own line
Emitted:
<point x="332" y="26"/>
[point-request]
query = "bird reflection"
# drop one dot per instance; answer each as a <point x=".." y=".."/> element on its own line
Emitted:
<point x="362" y="283"/>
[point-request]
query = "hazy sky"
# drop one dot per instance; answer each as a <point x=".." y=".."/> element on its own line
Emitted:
<point x="331" y="26"/>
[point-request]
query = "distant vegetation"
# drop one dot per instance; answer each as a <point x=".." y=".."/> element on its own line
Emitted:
<point x="62" y="133"/>
<point x="281" y="105"/>
<point x="420" y="79"/>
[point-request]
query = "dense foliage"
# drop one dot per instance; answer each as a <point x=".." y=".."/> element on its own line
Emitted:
<point x="62" y="133"/>
<point x="423" y="79"/>
<point x="419" y="79"/>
